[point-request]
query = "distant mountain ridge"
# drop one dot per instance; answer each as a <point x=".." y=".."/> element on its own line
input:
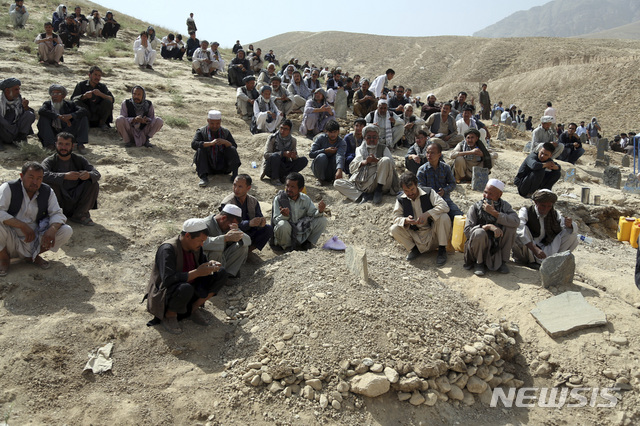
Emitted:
<point x="568" y="18"/>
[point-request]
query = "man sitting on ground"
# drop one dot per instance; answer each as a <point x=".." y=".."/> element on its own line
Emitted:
<point x="253" y="222"/>
<point x="202" y="63"/>
<point x="353" y="140"/>
<point x="18" y="14"/>
<point x="364" y="101"/>
<point x="216" y="150"/>
<point x="573" y="149"/>
<point x="391" y="125"/>
<point x="543" y="231"/>
<point x="95" y="98"/>
<point x="144" y="53"/>
<point x="312" y="81"/>
<point x="73" y="179"/>
<point x="265" y="76"/>
<point x="96" y="24"/>
<point x="299" y="92"/>
<point x="266" y="115"/>
<point x="468" y="154"/>
<point x="226" y="243"/>
<point x="431" y="107"/>
<point x="297" y="223"/>
<point x="60" y="115"/>
<point x="317" y="112"/>
<point x="537" y="171"/>
<point x="397" y="101"/>
<point x="246" y="96"/>
<point x="82" y="20"/>
<point x="16" y="117"/>
<point x="280" y="96"/>
<point x="31" y="221"/>
<point x="372" y="171"/>
<point x="442" y="128"/>
<point x="379" y="85"/>
<point x="69" y="33"/>
<point x="218" y="63"/>
<point x="239" y="68"/>
<point x="421" y="222"/>
<point x="544" y="133"/>
<point x="137" y="122"/>
<point x="281" y="156"/>
<point x="328" y="153"/>
<point x="417" y="153"/>
<point x="169" y="48"/>
<point x="50" y="46"/>
<point x="412" y="124"/>
<point x="256" y="62"/>
<point x="111" y="26"/>
<point x="491" y="230"/>
<point x="182" y="279"/>
<point x="438" y="175"/>
<point x="192" y="45"/>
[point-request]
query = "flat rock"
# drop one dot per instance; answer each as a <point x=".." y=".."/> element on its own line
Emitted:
<point x="416" y="398"/>
<point x="476" y="385"/>
<point x="619" y="340"/>
<point x="558" y="269"/>
<point x="370" y="384"/>
<point x="357" y="262"/>
<point x="567" y="312"/>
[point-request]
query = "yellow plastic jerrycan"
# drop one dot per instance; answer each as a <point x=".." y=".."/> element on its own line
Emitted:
<point x="624" y="228"/>
<point x="635" y="231"/>
<point x="458" y="238"/>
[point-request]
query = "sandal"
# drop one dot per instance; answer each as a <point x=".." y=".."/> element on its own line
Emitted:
<point x="41" y="263"/>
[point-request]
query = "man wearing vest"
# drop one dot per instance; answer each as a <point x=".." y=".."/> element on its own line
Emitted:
<point x="226" y="243"/>
<point x="73" y="180"/>
<point x="442" y="128"/>
<point x="137" y="122"/>
<point x="372" y="171"/>
<point x="543" y="231"/>
<point x="421" y="222"/>
<point x="491" y="230"/>
<point x="31" y="221"/>
<point x="182" y="279"/>
<point x="16" y="117"/>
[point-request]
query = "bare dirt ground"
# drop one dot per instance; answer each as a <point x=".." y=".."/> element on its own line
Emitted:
<point x="301" y="311"/>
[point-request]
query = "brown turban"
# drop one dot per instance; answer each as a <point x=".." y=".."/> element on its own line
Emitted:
<point x="544" y="196"/>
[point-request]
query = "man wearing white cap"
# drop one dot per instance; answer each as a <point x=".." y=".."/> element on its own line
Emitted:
<point x="183" y="279"/>
<point x="216" y="150"/>
<point x="543" y="231"/>
<point x="226" y="243"/>
<point x="545" y="133"/>
<point x="491" y="230"/>
<point x="390" y="124"/>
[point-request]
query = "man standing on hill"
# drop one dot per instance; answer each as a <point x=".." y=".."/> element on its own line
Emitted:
<point x="379" y="85"/>
<point x="216" y="150"/>
<point x="137" y="122"/>
<point x="592" y="131"/>
<point x="485" y="103"/>
<point x="551" y="112"/>
<point x="95" y="98"/>
<point x="73" y="179"/>
<point x="18" y="14"/>
<point x="191" y="24"/>
<point x="50" y="46"/>
<point x="59" y="115"/>
<point x="16" y="117"/>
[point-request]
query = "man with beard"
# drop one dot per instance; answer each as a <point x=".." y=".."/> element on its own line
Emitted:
<point x="217" y="63"/>
<point x="442" y="128"/>
<point x="372" y="171"/>
<point x="545" y="133"/>
<point x="137" y="122"/>
<point x="438" y="175"/>
<point x="226" y="243"/>
<point x="266" y="116"/>
<point x="50" y="46"/>
<point x="431" y="107"/>
<point x="468" y="154"/>
<point x="328" y="152"/>
<point x="15" y="115"/>
<point x="280" y="96"/>
<point x="297" y="223"/>
<point x="216" y="150"/>
<point x="421" y="223"/>
<point x="202" y="61"/>
<point x="95" y="98"/>
<point x="317" y="112"/>
<point x="364" y="101"/>
<point x="491" y="231"/>
<point x="73" y="179"/>
<point x="281" y="156"/>
<point x="265" y="76"/>
<point x="59" y="115"/>
<point x="537" y="171"/>
<point x="246" y="96"/>
<point x="353" y="140"/>
<point x="69" y="33"/>
<point x="239" y="68"/>
<point x="390" y="125"/>
<point x="253" y="223"/>
<point x="299" y="92"/>
<point x="31" y="221"/>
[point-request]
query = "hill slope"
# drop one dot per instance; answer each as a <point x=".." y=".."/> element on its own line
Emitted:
<point x="565" y="18"/>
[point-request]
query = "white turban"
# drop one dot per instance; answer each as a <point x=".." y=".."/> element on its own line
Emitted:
<point x="214" y="115"/>
<point x="546" y="119"/>
<point x="496" y="184"/>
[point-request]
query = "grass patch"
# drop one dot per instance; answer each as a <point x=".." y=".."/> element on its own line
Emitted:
<point x="177" y="99"/>
<point x="177" y="122"/>
<point x="112" y="48"/>
<point x="30" y="151"/>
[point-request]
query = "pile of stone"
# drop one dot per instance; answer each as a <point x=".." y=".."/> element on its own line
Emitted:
<point x="464" y="375"/>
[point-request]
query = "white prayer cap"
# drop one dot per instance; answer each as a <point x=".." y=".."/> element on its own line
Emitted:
<point x="232" y="210"/>
<point x="214" y="115"/>
<point x="430" y="95"/>
<point x="496" y="184"/>
<point x="194" y="225"/>
<point x="382" y="101"/>
<point x="546" y="119"/>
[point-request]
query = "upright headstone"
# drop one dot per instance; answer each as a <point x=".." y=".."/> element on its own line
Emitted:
<point x="606" y="143"/>
<point x="508" y="121"/>
<point x="527" y="147"/>
<point x="522" y="127"/>
<point x="480" y="178"/>
<point x="612" y="177"/>
<point x="569" y="174"/>
<point x="626" y="160"/>
<point x="341" y="104"/>
<point x="558" y="269"/>
<point x="496" y="119"/>
<point x="583" y="138"/>
<point x="502" y="135"/>
<point x="357" y="262"/>
<point x="632" y="185"/>
<point x="602" y="144"/>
